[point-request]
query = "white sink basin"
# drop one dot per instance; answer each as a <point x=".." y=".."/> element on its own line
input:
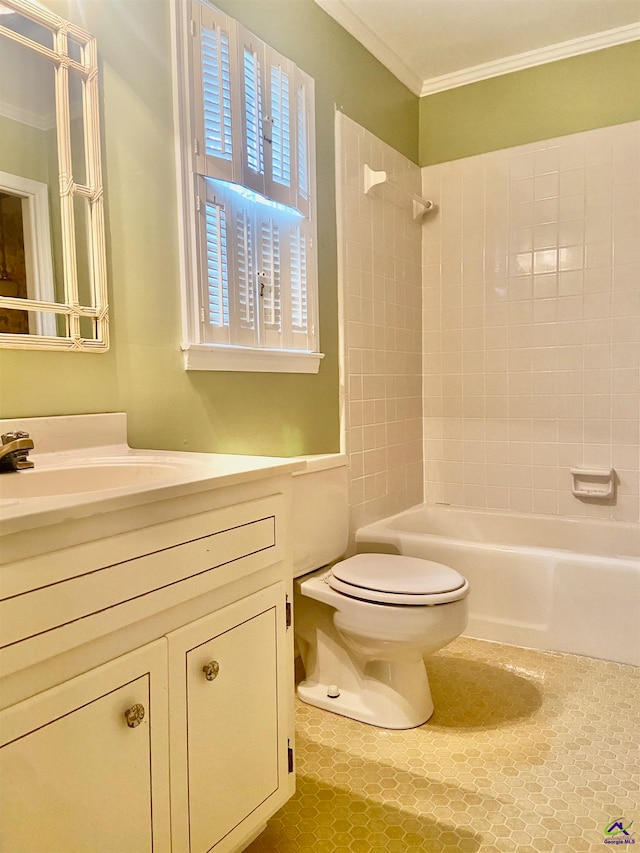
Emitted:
<point x="74" y="479"/>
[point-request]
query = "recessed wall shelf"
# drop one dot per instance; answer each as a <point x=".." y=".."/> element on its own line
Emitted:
<point x="397" y="194"/>
<point x="593" y="483"/>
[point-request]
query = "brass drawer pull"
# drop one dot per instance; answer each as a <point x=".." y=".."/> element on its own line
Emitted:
<point x="211" y="670"/>
<point x="134" y="715"/>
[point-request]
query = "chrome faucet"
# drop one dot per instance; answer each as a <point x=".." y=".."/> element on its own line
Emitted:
<point x="15" y="450"/>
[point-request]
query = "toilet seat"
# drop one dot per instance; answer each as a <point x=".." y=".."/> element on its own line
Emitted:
<point x="396" y="579"/>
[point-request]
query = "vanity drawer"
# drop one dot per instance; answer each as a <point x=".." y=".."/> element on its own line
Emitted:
<point x="111" y="583"/>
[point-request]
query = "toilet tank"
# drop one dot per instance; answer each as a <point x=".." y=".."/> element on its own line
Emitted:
<point x="320" y="514"/>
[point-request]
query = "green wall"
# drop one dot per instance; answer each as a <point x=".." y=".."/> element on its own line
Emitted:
<point x="24" y="151"/>
<point x="143" y="373"/>
<point x="593" y="90"/>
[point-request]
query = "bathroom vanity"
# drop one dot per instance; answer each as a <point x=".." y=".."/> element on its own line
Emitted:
<point x="146" y="650"/>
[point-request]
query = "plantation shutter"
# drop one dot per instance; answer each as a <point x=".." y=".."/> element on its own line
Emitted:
<point x="270" y="282"/>
<point x="244" y="306"/>
<point x="280" y="129"/>
<point x="305" y="109"/>
<point x="252" y="65"/>
<point x="301" y="322"/>
<point x="252" y="128"/>
<point x="214" y="299"/>
<point x="217" y="151"/>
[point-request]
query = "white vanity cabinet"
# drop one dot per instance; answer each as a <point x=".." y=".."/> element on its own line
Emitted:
<point x="84" y="765"/>
<point x="230" y="758"/>
<point x="146" y="678"/>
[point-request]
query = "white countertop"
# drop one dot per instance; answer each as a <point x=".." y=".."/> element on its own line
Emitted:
<point x="186" y="473"/>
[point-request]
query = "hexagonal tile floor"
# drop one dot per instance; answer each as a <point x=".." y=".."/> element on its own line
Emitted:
<point x="526" y="751"/>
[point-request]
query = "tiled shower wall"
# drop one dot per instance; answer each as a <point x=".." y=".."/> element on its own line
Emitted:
<point x="532" y="324"/>
<point x="380" y="277"/>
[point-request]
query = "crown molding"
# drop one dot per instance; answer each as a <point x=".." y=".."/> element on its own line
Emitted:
<point x="531" y="58"/>
<point x="349" y="21"/>
<point x="36" y="120"/>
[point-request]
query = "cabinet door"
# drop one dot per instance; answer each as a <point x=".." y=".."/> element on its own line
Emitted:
<point x="83" y="768"/>
<point x="229" y="682"/>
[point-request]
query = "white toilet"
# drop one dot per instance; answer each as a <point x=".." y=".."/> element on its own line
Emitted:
<point x="365" y="624"/>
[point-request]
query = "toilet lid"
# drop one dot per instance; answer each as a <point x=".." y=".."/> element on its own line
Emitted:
<point x="395" y="579"/>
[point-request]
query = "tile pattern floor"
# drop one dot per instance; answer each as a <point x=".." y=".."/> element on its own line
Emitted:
<point x="526" y="751"/>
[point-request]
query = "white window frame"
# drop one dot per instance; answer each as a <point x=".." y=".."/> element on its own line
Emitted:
<point x="275" y="347"/>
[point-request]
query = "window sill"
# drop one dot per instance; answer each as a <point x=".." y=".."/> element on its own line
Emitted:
<point x="248" y="359"/>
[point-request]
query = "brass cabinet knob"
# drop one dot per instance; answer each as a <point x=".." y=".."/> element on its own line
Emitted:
<point x="134" y="715"/>
<point x="211" y="670"/>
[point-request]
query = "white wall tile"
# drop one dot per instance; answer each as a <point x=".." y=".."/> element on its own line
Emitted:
<point x="381" y="257"/>
<point x="497" y="345"/>
<point x="553" y="381"/>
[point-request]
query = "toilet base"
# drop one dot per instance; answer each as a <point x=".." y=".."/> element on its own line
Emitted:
<point x="373" y="699"/>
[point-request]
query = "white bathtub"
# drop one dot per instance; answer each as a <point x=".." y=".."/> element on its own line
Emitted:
<point x="538" y="581"/>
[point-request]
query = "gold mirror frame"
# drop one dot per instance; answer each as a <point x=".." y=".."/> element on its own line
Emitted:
<point x="66" y="35"/>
